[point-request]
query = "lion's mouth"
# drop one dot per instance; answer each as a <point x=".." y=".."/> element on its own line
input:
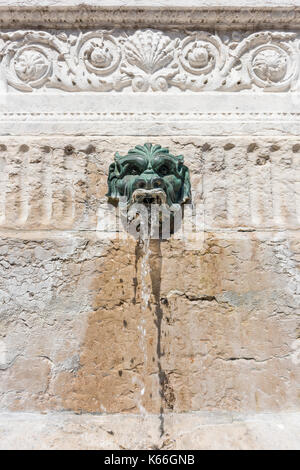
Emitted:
<point x="149" y="196"/>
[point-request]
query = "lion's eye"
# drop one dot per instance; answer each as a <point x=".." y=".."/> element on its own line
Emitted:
<point x="133" y="170"/>
<point x="164" y="170"/>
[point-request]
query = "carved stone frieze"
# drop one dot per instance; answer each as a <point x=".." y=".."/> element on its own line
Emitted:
<point x="149" y="60"/>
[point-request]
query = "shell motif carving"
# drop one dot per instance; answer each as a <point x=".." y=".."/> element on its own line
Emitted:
<point x="148" y="55"/>
<point x="149" y="51"/>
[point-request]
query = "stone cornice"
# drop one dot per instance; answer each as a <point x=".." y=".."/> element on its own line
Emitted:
<point x="161" y="14"/>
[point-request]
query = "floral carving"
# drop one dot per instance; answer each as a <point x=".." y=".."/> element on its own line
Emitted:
<point x="270" y="65"/>
<point x="149" y="60"/>
<point x="100" y="52"/>
<point x="98" y="55"/>
<point x="198" y="56"/>
<point x="201" y="53"/>
<point x="31" y="65"/>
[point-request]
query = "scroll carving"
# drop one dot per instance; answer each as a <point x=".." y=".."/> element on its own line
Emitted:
<point x="150" y="60"/>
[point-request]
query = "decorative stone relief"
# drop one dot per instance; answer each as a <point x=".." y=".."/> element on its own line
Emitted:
<point x="149" y="60"/>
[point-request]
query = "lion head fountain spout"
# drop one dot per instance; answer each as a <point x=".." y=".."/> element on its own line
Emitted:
<point x="148" y="178"/>
<point x="149" y="174"/>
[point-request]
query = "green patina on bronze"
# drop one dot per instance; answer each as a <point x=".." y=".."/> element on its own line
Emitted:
<point x="149" y="174"/>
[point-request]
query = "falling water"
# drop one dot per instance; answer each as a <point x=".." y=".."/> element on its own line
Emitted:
<point x="144" y="248"/>
<point x="145" y="294"/>
<point x="149" y="252"/>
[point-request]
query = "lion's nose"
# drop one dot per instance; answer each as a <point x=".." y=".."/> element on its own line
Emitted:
<point x="149" y="183"/>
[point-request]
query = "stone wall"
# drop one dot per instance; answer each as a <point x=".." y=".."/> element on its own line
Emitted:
<point x="221" y="328"/>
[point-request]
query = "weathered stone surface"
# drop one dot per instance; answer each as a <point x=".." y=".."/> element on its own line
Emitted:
<point x="60" y="182"/>
<point x="211" y="431"/>
<point x="211" y="325"/>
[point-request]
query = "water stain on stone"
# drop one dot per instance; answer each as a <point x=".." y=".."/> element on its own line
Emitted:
<point x="188" y="326"/>
<point x="107" y="377"/>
